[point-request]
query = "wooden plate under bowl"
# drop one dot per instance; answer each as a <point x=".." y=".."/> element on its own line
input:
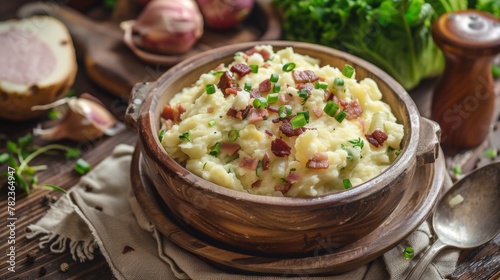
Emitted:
<point x="416" y="204"/>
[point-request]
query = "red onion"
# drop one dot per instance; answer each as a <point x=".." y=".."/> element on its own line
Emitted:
<point x="169" y="26"/>
<point x="224" y="14"/>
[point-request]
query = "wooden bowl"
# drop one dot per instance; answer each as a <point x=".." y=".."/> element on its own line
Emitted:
<point x="278" y="226"/>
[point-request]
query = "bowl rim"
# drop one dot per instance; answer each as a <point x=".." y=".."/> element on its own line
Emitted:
<point x="152" y="147"/>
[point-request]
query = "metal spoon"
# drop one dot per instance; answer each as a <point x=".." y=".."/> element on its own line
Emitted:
<point x="465" y="223"/>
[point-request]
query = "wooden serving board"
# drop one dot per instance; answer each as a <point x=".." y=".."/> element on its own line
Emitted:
<point x="113" y="66"/>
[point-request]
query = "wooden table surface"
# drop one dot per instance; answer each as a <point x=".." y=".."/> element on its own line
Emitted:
<point x="479" y="263"/>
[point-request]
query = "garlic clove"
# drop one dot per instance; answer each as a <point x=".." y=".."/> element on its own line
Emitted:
<point x="85" y="119"/>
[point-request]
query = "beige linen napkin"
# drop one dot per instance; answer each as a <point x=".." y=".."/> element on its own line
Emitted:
<point x="101" y="210"/>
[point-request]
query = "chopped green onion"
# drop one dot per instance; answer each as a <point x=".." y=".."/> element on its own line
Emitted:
<point x="303" y="93"/>
<point x="495" y="71"/>
<point x="272" y="98"/>
<point x="341" y="116"/>
<point x="161" y="134"/>
<point x="210" y="88"/>
<point x="347" y="183"/>
<point x="338" y="82"/>
<point x="215" y="73"/>
<point x="490" y="153"/>
<point x="215" y="149"/>
<point x="298" y="121"/>
<point x="185" y="136"/>
<point x="288" y="67"/>
<point x="305" y="113"/>
<point x="82" y="167"/>
<point x="204" y="164"/>
<point x="72" y="153"/>
<point x="233" y="135"/>
<point x="211" y="123"/>
<point x="274" y="77"/>
<point x="319" y="85"/>
<point x="348" y="71"/>
<point x="248" y="86"/>
<point x="331" y="108"/>
<point x="408" y="253"/>
<point x="285" y="111"/>
<point x="255" y="68"/>
<point x="457" y="170"/>
<point x="260" y="102"/>
<point x="276" y="88"/>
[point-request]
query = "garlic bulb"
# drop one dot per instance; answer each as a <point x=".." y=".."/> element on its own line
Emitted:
<point x="84" y="119"/>
<point x="169" y="26"/>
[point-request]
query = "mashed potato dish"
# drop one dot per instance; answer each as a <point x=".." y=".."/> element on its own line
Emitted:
<point x="278" y="123"/>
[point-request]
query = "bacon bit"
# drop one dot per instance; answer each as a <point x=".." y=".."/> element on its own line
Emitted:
<point x="265" y="54"/>
<point x="241" y="114"/>
<point x="269" y="132"/>
<point x="343" y="103"/>
<point x="249" y="163"/>
<point x="229" y="149"/>
<point x="256" y="184"/>
<point x="318" y="112"/>
<point x="280" y="148"/>
<point x="254" y="93"/>
<point x="263" y="112"/>
<point x="241" y="69"/>
<point x="293" y="177"/>
<point x="210" y="110"/>
<point x="353" y="110"/>
<point x="306" y="76"/>
<point x="308" y="86"/>
<point x="266" y="162"/>
<point x="273" y="109"/>
<point x="328" y="96"/>
<point x="287" y="129"/>
<point x="255" y="116"/>
<point x="225" y="81"/>
<point x="173" y="113"/>
<point x="319" y="161"/>
<point x="376" y="138"/>
<point x="231" y="90"/>
<point x="285" y="97"/>
<point x="283" y="188"/>
<point x="265" y="86"/>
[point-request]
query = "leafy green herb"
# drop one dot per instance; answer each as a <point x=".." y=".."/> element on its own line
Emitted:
<point x="357" y="143"/>
<point x="19" y="155"/>
<point x="185" y="136"/>
<point x="161" y="134"/>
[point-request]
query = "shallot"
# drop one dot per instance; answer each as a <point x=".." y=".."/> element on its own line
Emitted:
<point x="225" y="14"/>
<point x="84" y="119"/>
<point x="165" y="27"/>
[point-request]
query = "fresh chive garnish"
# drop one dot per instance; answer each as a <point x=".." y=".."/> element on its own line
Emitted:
<point x="331" y="108"/>
<point x="298" y="121"/>
<point x="216" y="73"/>
<point x="288" y="67"/>
<point x="357" y="143"/>
<point x="306" y="115"/>
<point x="233" y="135"/>
<point x="408" y="253"/>
<point x="185" y="136"/>
<point x="338" y="82"/>
<point x="248" y="86"/>
<point x="276" y="88"/>
<point x="348" y="71"/>
<point x="341" y="116"/>
<point x="161" y="134"/>
<point x="260" y="102"/>
<point x="285" y="111"/>
<point x="272" y="98"/>
<point x="215" y="149"/>
<point x="457" y="170"/>
<point x="210" y="88"/>
<point x="491" y="153"/>
<point x="303" y="93"/>
<point x="319" y="85"/>
<point x="347" y="183"/>
<point x="211" y="123"/>
<point x="255" y="68"/>
<point x="274" y="77"/>
<point x="82" y="167"/>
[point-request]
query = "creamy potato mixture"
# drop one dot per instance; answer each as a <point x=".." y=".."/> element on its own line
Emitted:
<point x="279" y="124"/>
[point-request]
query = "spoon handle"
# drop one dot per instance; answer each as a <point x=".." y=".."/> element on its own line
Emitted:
<point x="419" y="269"/>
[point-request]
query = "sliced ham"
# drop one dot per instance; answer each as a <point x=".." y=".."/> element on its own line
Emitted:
<point x="306" y="76"/>
<point x="229" y="148"/>
<point x="241" y="69"/>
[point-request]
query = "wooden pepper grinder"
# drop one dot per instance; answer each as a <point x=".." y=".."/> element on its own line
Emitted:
<point x="464" y="102"/>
